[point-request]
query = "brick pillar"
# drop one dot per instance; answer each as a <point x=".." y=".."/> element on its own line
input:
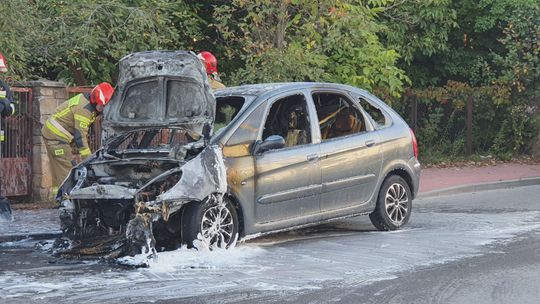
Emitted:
<point x="47" y="95"/>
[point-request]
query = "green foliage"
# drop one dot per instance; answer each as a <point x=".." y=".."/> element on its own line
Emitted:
<point x="447" y="51"/>
<point x="16" y="17"/>
<point x="417" y="27"/>
<point x="303" y="40"/>
<point x="82" y="40"/>
<point x="502" y="129"/>
<point x="517" y="129"/>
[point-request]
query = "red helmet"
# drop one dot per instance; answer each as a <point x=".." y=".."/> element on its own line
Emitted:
<point x="210" y="62"/>
<point x="101" y="94"/>
<point x="3" y="64"/>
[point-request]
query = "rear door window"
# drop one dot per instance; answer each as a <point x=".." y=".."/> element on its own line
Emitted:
<point x="337" y="115"/>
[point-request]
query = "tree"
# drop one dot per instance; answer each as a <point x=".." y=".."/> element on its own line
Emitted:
<point x="301" y="40"/>
<point x="18" y="21"/>
<point x="81" y="41"/>
<point x="84" y="39"/>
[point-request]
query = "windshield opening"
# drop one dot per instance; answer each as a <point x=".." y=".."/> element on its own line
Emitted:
<point x="141" y="102"/>
<point x="185" y="99"/>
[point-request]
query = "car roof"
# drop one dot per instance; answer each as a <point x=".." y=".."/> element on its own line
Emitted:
<point x="264" y="88"/>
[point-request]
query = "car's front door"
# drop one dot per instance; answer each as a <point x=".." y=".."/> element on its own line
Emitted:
<point x="349" y="153"/>
<point x="288" y="180"/>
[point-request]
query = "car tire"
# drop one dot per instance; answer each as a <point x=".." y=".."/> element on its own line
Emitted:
<point x="394" y="204"/>
<point x="212" y="221"/>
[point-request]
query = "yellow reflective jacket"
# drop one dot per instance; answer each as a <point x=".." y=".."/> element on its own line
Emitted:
<point x="71" y="122"/>
<point x="214" y="84"/>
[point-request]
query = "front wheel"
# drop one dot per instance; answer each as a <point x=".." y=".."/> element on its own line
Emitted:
<point x="213" y="222"/>
<point x="394" y="204"/>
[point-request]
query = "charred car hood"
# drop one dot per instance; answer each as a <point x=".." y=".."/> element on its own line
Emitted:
<point x="160" y="89"/>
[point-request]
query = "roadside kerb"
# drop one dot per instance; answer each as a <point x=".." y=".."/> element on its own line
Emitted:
<point x="522" y="182"/>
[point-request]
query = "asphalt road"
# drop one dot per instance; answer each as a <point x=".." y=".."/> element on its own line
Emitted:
<point x="468" y="248"/>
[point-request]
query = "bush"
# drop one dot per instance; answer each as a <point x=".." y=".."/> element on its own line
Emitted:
<point x="499" y="128"/>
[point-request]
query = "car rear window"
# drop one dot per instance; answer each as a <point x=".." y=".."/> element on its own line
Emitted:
<point x="377" y="115"/>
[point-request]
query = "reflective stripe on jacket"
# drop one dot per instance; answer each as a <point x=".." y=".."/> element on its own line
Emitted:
<point x="72" y="121"/>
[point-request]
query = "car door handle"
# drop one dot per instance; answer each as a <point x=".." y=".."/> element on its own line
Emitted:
<point x="370" y="143"/>
<point x="312" y="157"/>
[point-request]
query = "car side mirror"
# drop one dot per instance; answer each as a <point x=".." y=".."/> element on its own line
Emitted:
<point x="272" y="142"/>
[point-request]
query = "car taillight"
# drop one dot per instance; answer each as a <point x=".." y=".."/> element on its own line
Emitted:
<point x="414" y="144"/>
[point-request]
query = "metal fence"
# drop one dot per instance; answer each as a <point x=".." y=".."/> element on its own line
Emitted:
<point x="416" y="113"/>
<point x="16" y="152"/>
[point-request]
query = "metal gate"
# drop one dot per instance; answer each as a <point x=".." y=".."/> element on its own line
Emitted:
<point x="16" y="153"/>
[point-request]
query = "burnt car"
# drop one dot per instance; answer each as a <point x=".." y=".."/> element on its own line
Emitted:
<point x="181" y="164"/>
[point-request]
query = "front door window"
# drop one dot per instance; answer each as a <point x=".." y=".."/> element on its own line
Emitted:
<point x="288" y="118"/>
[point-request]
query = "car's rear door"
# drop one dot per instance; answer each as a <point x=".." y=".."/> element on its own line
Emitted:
<point x="350" y="157"/>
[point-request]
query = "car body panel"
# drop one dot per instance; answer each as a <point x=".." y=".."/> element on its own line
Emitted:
<point x="354" y="172"/>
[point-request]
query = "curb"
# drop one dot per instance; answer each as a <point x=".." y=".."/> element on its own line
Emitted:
<point x="522" y="182"/>
<point x="34" y="236"/>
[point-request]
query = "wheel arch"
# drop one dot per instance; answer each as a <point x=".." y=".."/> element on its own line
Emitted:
<point x="403" y="173"/>
<point x="239" y="213"/>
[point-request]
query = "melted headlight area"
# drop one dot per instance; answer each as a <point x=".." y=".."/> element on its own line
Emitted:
<point x="128" y="206"/>
<point x="157" y="187"/>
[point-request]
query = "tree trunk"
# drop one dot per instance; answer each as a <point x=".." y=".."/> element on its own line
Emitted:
<point x="78" y="75"/>
<point x="281" y="27"/>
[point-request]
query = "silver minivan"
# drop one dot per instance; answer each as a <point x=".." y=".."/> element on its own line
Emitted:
<point x="183" y="164"/>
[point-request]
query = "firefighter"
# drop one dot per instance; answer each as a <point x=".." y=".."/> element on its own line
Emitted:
<point x="70" y="124"/>
<point x="7" y="108"/>
<point x="210" y="62"/>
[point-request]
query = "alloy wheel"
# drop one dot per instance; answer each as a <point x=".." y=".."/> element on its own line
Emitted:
<point x="217" y="225"/>
<point x="396" y="203"/>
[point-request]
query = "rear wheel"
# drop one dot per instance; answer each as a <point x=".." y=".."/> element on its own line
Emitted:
<point x="214" y="222"/>
<point x="394" y="204"/>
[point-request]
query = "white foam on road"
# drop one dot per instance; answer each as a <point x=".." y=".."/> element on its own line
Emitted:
<point x="348" y="256"/>
<point x="31" y="222"/>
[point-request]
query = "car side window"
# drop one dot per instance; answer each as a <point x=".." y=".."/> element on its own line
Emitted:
<point x="249" y="129"/>
<point x="246" y="134"/>
<point x="377" y="115"/>
<point x="337" y="115"/>
<point x="289" y="118"/>
<point x="226" y="110"/>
